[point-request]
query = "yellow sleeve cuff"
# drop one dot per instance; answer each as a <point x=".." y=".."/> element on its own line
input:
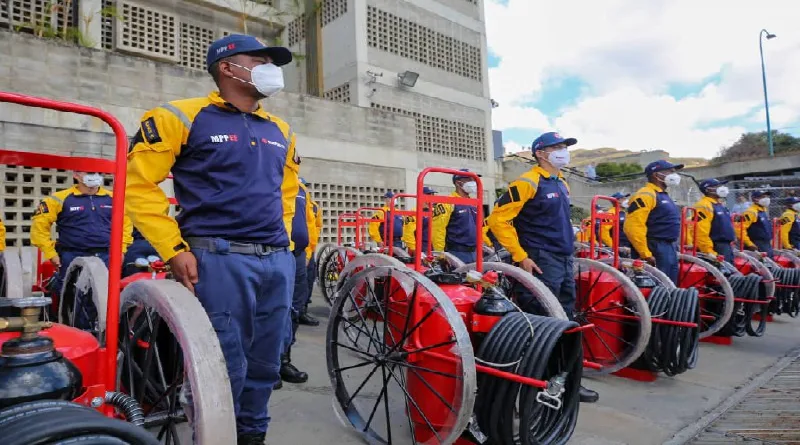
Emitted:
<point x="168" y="249"/>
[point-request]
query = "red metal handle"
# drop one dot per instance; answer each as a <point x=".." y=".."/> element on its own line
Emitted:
<point x="118" y="168"/>
<point x="685" y="230"/>
<point x="614" y="228"/>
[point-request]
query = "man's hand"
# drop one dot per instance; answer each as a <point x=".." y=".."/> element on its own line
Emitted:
<point x="184" y="268"/>
<point x="752" y="248"/>
<point x="529" y="266"/>
<point x="651" y="260"/>
<point x="56" y="262"/>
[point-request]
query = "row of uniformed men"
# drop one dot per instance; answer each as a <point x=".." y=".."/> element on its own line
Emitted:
<point x="237" y="243"/>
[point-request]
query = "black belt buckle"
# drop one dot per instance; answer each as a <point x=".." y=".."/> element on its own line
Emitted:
<point x="264" y="250"/>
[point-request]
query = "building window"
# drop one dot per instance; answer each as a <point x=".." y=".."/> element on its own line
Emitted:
<point x="339" y="94"/>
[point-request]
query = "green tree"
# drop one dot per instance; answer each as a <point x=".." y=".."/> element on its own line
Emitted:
<point x="756" y="145"/>
<point x="578" y="214"/>
<point x="610" y="170"/>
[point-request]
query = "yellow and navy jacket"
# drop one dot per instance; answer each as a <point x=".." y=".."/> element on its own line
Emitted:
<point x="83" y="222"/>
<point x="304" y="220"/>
<point x="652" y="215"/>
<point x="713" y="225"/>
<point x="2" y="236"/>
<point x="410" y="230"/>
<point x="454" y="226"/>
<point x="488" y="237"/>
<point x="756" y="225"/>
<point x="790" y="230"/>
<point x="377" y="226"/>
<point x="315" y="230"/>
<point x="235" y="175"/>
<point x="607" y="226"/>
<point x="534" y="214"/>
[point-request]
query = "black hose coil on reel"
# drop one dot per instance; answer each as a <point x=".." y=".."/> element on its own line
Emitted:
<point x="748" y="287"/>
<point x="786" y="291"/>
<point x="672" y="349"/>
<point x="543" y="354"/>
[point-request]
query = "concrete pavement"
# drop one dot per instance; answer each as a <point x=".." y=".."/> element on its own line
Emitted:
<point x="628" y="412"/>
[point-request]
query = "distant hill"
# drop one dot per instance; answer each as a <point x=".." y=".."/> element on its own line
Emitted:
<point x="582" y="157"/>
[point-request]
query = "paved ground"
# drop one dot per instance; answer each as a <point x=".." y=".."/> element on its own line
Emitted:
<point x="629" y="412"/>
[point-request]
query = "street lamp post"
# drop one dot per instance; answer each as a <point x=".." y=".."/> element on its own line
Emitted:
<point x="769" y="36"/>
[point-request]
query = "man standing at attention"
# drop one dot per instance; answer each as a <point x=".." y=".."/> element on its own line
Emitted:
<point x="235" y="171"/>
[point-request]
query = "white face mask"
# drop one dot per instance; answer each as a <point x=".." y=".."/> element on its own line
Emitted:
<point x="722" y="191"/>
<point x="559" y="158"/>
<point x="267" y="78"/>
<point x="470" y="187"/>
<point x="796" y="207"/>
<point x="763" y="202"/>
<point x="624" y="204"/>
<point x="672" y="179"/>
<point x="92" y="180"/>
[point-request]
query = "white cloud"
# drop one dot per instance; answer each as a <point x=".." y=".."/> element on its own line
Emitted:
<point x="629" y="52"/>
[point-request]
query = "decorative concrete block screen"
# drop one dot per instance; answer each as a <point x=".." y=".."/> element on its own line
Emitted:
<point x="396" y="35"/>
<point x="331" y="10"/>
<point x="22" y="189"/>
<point x="339" y="94"/>
<point x="35" y="15"/>
<point x="445" y="137"/>
<point x="337" y="198"/>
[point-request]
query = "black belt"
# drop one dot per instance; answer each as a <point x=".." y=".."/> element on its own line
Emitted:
<point x="91" y="250"/>
<point x="210" y="244"/>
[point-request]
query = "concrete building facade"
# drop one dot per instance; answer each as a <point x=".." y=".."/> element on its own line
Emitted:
<point x="367" y="136"/>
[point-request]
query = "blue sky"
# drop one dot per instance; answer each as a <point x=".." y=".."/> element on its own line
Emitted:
<point x="623" y="73"/>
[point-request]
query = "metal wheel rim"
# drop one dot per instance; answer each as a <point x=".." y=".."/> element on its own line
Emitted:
<point x="86" y="277"/>
<point x="11" y="282"/>
<point x="727" y="293"/>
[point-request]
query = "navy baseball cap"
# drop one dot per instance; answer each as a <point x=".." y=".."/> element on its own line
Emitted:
<point x="457" y="177"/>
<point x="760" y="193"/>
<point x="660" y="166"/>
<point x="388" y="194"/>
<point x="240" y="43"/>
<point x="549" y="139"/>
<point x="428" y="191"/>
<point x="792" y="200"/>
<point x="619" y="195"/>
<point x="708" y="183"/>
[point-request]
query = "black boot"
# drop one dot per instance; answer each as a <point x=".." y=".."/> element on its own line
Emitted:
<point x="289" y="372"/>
<point x="251" y="439"/>
<point x="587" y="395"/>
<point x="306" y="319"/>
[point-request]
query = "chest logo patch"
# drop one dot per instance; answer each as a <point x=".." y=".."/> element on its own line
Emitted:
<point x="553" y="195"/>
<point x="76" y="209"/>
<point x="219" y="138"/>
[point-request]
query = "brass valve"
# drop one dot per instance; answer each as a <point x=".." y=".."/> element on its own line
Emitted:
<point x="28" y="322"/>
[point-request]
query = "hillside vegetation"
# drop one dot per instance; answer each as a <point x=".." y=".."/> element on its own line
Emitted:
<point x="755" y="145"/>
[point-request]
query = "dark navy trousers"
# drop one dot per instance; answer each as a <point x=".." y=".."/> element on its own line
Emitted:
<point x="466" y="257"/>
<point x="666" y="257"/>
<point x="85" y="311"/>
<point x="140" y="248"/>
<point x="764" y="245"/>
<point x="557" y="275"/>
<point x="311" y="274"/>
<point x="247" y="298"/>
<point x="299" y="298"/>
<point x="724" y="249"/>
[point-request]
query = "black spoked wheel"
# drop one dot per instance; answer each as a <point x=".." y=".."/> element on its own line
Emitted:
<point x="332" y="267"/>
<point x="173" y="366"/>
<point x="319" y="256"/>
<point x="607" y="299"/>
<point x="400" y="358"/>
<point x="84" y="294"/>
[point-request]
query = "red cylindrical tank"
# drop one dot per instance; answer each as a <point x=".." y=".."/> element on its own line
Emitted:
<point x="80" y="347"/>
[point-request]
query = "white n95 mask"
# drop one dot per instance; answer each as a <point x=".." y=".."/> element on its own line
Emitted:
<point x="672" y="180"/>
<point x="471" y="187"/>
<point x="559" y="158"/>
<point x="92" y="180"/>
<point x="722" y="191"/>
<point x="764" y="202"/>
<point x="267" y="78"/>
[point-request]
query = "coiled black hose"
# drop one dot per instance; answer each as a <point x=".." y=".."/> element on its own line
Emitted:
<point x="46" y="422"/>
<point x="786" y="291"/>
<point x="748" y="287"/>
<point x="127" y="405"/>
<point x="543" y="354"/>
<point x="672" y="349"/>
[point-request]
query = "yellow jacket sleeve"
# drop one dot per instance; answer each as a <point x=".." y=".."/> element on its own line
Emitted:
<point x="606" y="226"/>
<point x="375" y="226"/>
<point x="291" y="181"/>
<point x="153" y="151"/>
<point x="486" y="239"/>
<point x="702" y="232"/>
<point x="2" y="236"/>
<point x="314" y="230"/>
<point x="787" y="221"/>
<point x="747" y="219"/>
<point x="311" y="224"/>
<point x="641" y="204"/>
<point x="43" y="218"/>
<point x="410" y="232"/>
<point x="505" y="210"/>
<point x="441" y="218"/>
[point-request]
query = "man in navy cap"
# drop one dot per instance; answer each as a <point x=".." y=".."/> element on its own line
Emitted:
<point x="454" y="226"/>
<point x="607" y="226"/>
<point x="410" y="227"/>
<point x="235" y="169"/>
<point x="713" y="233"/>
<point x="790" y="227"/>
<point x="756" y="224"/>
<point x="532" y="221"/>
<point x="378" y="229"/>
<point x="653" y="224"/>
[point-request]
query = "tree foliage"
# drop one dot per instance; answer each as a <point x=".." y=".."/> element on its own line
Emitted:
<point x="608" y="170"/>
<point x="756" y="145"/>
<point x="577" y="214"/>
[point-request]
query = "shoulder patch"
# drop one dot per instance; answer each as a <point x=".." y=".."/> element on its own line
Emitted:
<point x="785" y="220"/>
<point x="150" y="131"/>
<point x="503" y="200"/>
<point x="41" y="208"/>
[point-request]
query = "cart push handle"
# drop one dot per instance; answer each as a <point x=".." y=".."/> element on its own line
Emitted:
<point x="423" y="199"/>
<point x="615" y="228"/>
<point x="388" y="228"/>
<point x="117" y="167"/>
<point x="686" y="224"/>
